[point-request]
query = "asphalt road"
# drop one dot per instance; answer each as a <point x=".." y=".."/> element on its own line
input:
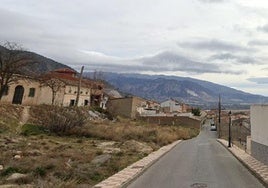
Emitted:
<point x="197" y="163"/>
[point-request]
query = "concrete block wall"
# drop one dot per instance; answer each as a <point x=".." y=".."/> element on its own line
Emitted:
<point x="259" y="132"/>
<point x="260" y="152"/>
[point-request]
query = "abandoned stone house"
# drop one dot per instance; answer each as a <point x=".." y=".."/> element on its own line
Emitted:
<point x="28" y="90"/>
<point x="132" y="107"/>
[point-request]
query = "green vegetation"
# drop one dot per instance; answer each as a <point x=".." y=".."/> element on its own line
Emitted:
<point x="196" y="111"/>
<point x="10" y="170"/>
<point x="29" y="129"/>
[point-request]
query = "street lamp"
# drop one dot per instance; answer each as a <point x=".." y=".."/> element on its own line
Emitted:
<point x="230" y="121"/>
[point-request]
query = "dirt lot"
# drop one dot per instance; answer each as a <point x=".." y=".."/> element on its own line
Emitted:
<point x="81" y="158"/>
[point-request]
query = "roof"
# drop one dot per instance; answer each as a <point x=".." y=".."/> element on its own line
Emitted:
<point x="65" y="71"/>
<point x="69" y="77"/>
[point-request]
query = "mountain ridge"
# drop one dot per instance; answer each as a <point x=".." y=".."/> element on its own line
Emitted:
<point x="186" y="89"/>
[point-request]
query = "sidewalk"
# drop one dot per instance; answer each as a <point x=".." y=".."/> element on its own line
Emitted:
<point x="125" y="176"/>
<point x="259" y="169"/>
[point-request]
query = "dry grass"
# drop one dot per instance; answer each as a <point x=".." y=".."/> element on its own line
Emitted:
<point x="66" y="161"/>
<point x="124" y="129"/>
<point x="9" y="117"/>
<point x="159" y="135"/>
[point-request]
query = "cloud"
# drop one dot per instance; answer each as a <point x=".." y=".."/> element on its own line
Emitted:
<point x="163" y="62"/>
<point x="263" y="28"/>
<point x="258" y="43"/>
<point x="214" y="45"/>
<point x="235" y="58"/>
<point x="259" y="80"/>
<point x="211" y="1"/>
<point x="170" y="61"/>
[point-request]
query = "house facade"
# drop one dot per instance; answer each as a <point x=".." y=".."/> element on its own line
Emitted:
<point x="148" y="108"/>
<point x="126" y="107"/>
<point x="171" y="105"/>
<point x="259" y="132"/>
<point x="35" y="91"/>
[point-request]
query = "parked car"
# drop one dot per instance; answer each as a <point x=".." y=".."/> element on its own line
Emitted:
<point x="213" y="127"/>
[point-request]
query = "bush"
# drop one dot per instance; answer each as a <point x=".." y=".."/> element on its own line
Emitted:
<point x="29" y="129"/>
<point x="10" y="170"/>
<point x="40" y="171"/>
<point x="196" y="111"/>
<point x="59" y="120"/>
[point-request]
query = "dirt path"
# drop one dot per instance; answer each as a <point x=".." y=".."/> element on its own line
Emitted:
<point x="24" y="115"/>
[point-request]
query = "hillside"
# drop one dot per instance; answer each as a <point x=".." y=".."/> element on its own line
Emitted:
<point x="189" y="90"/>
<point x="40" y="63"/>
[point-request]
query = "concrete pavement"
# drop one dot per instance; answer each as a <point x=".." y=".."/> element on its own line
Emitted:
<point x="200" y="162"/>
<point x="259" y="169"/>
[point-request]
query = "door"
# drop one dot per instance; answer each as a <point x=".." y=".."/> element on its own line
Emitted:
<point x="18" y="95"/>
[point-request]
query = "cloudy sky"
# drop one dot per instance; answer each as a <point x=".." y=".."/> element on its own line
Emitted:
<point x="223" y="41"/>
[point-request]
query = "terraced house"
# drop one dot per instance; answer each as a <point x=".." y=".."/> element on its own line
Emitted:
<point x="58" y="87"/>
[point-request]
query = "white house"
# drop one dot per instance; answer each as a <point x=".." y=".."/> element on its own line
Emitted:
<point x="171" y="106"/>
<point x="259" y="132"/>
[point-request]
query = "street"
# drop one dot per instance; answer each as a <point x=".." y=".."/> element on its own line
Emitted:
<point x="197" y="163"/>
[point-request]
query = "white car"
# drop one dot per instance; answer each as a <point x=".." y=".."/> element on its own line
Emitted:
<point x="213" y="127"/>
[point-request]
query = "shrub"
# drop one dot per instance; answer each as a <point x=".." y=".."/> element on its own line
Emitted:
<point x="40" y="171"/>
<point x="10" y="170"/>
<point x="59" y="120"/>
<point x="29" y="129"/>
<point x="196" y="111"/>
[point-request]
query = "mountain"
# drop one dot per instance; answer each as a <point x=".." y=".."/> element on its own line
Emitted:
<point x="39" y="65"/>
<point x="192" y="91"/>
<point x="157" y="87"/>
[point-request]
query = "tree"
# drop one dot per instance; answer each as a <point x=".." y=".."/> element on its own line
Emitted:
<point x="196" y="112"/>
<point x="12" y="60"/>
<point x="54" y="83"/>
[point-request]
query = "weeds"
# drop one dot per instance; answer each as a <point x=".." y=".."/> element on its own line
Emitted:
<point x="29" y="129"/>
<point x="40" y="171"/>
<point x="10" y="170"/>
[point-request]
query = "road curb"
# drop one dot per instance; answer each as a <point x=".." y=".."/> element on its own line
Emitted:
<point x="258" y="169"/>
<point x="130" y="173"/>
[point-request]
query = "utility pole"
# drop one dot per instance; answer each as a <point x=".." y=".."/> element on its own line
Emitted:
<point x="79" y="86"/>
<point x="230" y="122"/>
<point x="219" y="125"/>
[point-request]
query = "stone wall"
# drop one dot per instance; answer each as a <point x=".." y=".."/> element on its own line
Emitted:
<point x="121" y="107"/>
<point x="176" y="120"/>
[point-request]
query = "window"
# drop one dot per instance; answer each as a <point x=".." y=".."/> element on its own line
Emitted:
<point x="31" y="92"/>
<point x="72" y="101"/>
<point x="86" y="102"/>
